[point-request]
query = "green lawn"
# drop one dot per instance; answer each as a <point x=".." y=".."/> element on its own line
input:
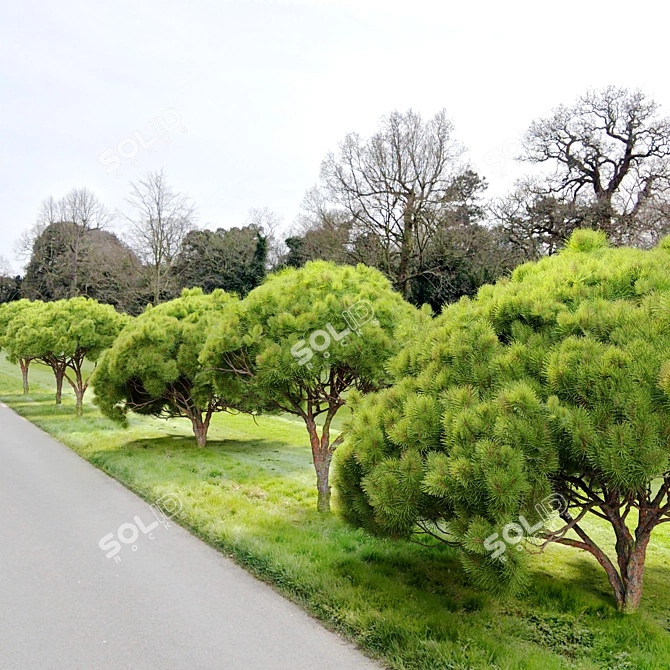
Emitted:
<point x="251" y="494"/>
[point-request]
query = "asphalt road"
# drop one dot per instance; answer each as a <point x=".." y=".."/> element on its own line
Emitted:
<point x="165" y="601"/>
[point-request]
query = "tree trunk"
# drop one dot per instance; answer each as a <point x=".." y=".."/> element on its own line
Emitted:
<point x="79" y="386"/>
<point x="59" y="385"/>
<point x="79" y="394"/>
<point x="321" y="456"/>
<point x="75" y="263"/>
<point x="631" y="549"/>
<point x="632" y="592"/>
<point x="200" y="428"/>
<point x="24" y="372"/>
<point x="322" y="465"/>
<point x="627" y="582"/>
<point x="603" y="213"/>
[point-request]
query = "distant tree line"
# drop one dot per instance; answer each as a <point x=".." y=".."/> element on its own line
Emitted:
<point x="403" y="200"/>
<point x="72" y="252"/>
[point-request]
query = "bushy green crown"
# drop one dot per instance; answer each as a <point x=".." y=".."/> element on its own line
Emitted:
<point x="562" y="367"/>
<point x="158" y="353"/>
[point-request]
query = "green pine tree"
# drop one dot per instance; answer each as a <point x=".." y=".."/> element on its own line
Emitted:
<point x="549" y="390"/>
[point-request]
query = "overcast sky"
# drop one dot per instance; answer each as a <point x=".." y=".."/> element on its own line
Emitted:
<point x="261" y="90"/>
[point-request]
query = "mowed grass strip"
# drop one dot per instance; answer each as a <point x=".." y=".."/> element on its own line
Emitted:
<point x="251" y="494"/>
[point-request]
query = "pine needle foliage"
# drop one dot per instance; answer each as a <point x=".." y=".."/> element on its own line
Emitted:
<point x="306" y="339"/>
<point x="9" y="312"/>
<point x="552" y="382"/>
<point x="62" y="335"/>
<point x="154" y="368"/>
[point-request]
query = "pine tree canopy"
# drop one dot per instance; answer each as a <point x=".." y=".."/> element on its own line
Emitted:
<point x="62" y="335"/>
<point x="153" y="367"/>
<point x="552" y="382"/>
<point x="306" y="338"/>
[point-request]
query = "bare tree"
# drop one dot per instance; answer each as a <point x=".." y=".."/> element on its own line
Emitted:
<point x="610" y="159"/>
<point x="394" y="183"/>
<point x="533" y="223"/>
<point x="5" y="267"/>
<point x="320" y="231"/>
<point x="87" y="213"/>
<point x="158" y="224"/>
<point x="268" y="224"/>
<point x="78" y="213"/>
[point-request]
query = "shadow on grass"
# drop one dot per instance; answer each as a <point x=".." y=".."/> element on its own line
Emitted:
<point x="186" y="444"/>
<point x="587" y="586"/>
<point x="267" y="457"/>
<point x="45" y="409"/>
<point x="19" y="400"/>
<point x="36" y="397"/>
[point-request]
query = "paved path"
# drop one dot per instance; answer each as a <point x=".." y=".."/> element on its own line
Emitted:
<point x="172" y="603"/>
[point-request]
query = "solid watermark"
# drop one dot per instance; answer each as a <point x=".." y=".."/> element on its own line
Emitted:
<point x="320" y="340"/>
<point x="164" y="123"/>
<point x="513" y="533"/>
<point x="497" y="157"/>
<point x="165" y="508"/>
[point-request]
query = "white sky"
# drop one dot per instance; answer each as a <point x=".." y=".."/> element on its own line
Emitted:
<point x="266" y="88"/>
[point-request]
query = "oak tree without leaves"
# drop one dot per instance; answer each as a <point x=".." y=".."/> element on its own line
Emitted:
<point x="608" y="160"/>
<point x="395" y="184"/>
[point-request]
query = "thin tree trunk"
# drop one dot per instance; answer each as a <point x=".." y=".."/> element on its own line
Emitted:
<point x="79" y="390"/>
<point x="79" y="394"/>
<point x="78" y="385"/>
<point x="627" y="582"/>
<point x="589" y="545"/>
<point x="406" y="247"/>
<point x="631" y="552"/>
<point x="75" y="263"/>
<point x="321" y="456"/>
<point x="635" y="577"/>
<point x="200" y="427"/>
<point x="25" y="363"/>
<point x="322" y="466"/>
<point x="59" y="385"/>
<point x="157" y="287"/>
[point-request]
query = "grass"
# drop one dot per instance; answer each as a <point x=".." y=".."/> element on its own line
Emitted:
<point x="251" y="494"/>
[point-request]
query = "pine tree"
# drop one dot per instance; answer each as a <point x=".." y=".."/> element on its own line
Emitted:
<point x="9" y="312"/>
<point x="153" y="367"/>
<point x="307" y="338"/>
<point x="62" y="335"/>
<point x="548" y="391"/>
